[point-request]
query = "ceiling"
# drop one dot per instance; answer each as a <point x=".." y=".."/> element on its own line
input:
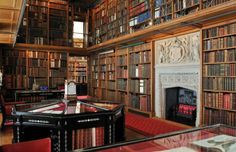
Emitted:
<point x="11" y="12"/>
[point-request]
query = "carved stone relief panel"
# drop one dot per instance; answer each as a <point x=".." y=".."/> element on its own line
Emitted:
<point x="178" y="50"/>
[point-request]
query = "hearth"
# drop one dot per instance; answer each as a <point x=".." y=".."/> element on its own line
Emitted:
<point x="181" y="105"/>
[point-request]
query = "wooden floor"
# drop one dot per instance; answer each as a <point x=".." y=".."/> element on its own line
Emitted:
<point x="7" y="135"/>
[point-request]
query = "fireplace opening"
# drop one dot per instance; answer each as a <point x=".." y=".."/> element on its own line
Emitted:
<point x="181" y="105"/>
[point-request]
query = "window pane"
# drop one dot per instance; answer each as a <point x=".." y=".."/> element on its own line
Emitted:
<point x="78" y="27"/>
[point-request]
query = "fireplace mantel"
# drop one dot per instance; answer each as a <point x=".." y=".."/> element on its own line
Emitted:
<point x="182" y="71"/>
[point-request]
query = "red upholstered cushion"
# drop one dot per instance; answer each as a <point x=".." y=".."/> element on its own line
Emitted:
<point x="41" y="145"/>
<point x="149" y="126"/>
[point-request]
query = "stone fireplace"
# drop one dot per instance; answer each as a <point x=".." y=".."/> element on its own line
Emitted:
<point x="177" y="65"/>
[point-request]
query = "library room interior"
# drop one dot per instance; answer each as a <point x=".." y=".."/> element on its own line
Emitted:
<point x="117" y="75"/>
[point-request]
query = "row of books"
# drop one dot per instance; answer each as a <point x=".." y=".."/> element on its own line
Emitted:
<point x="36" y="20"/>
<point x="15" y="70"/>
<point x="38" y="40"/>
<point x="55" y="82"/>
<point x="134" y="3"/>
<point x="121" y="84"/>
<point x="111" y="85"/>
<point x="182" y="4"/>
<point x="219" y="70"/>
<point x="111" y="75"/>
<point x="37" y="54"/>
<point x="110" y="67"/>
<point x="122" y="72"/>
<point x="220" y="100"/>
<point x="55" y="63"/>
<point x="14" y="61"/>
<point x="38" y="32"/>
<point x="95" y="83"/>
<point x="220" y="56"/>
<point x="162" y="12"/>
<point x="57" y="6"/>
<point x="219" y="43"/>
<point x="14" y="53"/>
<point x="102" y="76"/>
<point x="79" y="79"/>
<point x="213" y="116"/>
<point x="38" y="9"/>
<point x="38" y="3"/>
<point x="220" y="31"/>
<point x="38" y="72"/>
<point x="136" y="71"/>
<point x="15" y="81"/>
<point x="221" y="84"/>
<point x="122" y="60"/>
<point x="140" y="102"/>
<point x="140" y="86"/>
<point x="55" y="24"/>
<point x="210" y="3"/>
<point x="37" y="62"/>
<point x="139" y="19"/>
<point x="133" y="11"/>
<point x="141" y="47"/>
<point x="122" y="97"/>
<point x="57" y="72"/>
<point x="140" y="57"/>
<point x="95" y="75"/>
<point x="111" y="95"/>
<point x="103" y="84"/>
<point x="55" y="55"/>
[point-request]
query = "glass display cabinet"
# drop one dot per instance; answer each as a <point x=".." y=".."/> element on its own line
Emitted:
<point x="216" y="138"/>
<point x="70" y="124"/>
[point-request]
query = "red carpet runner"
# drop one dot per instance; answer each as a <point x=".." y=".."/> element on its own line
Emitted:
<point x="150" y="126"/>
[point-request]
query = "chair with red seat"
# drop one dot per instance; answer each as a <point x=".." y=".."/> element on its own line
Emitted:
<point x="6" y="108"/>
<point x="40" y="145"/>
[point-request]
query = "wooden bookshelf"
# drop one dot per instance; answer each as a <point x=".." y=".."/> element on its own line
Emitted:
<point x="37" y="68"/>
<point x="139" y="14"/>
<point x="122" y="75"/>
<point x="143" y="15"/>
<point x="22" y="68"/>
<point x="57" y="69"/>
<point x="140" y="78"/>
<point x="93" y="76"/>
<point x="219" y="81"/>
<point x="15" y="69"/>
<point x="77" y="69"/>
<point x="45" y="22"/>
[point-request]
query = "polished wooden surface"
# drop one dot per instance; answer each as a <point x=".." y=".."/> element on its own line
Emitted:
<point x="6" y="135"/>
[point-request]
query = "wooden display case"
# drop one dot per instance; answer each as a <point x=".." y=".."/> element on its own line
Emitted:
<point x="70" y="125"/>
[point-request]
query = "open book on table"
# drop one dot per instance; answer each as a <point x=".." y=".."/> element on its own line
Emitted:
<point x="219" y="143"/>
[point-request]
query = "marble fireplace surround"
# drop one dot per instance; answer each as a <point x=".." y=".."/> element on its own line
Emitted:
<point x="177" y="65"/>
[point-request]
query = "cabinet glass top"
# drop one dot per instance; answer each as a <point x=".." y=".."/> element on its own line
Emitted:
<point x="65" y="107"/>
<point x="216" y="138"/>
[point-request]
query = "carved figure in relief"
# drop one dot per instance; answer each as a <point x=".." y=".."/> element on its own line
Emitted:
<point x="194" y="48"/>
<point x="176" y="51"/>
